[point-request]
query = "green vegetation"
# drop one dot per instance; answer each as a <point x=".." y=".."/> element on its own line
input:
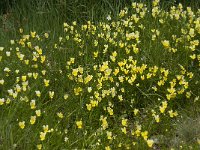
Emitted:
<point x="104" y="75"/>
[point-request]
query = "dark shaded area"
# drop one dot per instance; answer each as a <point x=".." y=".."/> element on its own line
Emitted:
<point x="49" y="14"/>
<point x="86" y="8"/>
<point x="5" y="6"/>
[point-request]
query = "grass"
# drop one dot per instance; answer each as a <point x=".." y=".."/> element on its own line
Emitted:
<point x="126" y="77"/>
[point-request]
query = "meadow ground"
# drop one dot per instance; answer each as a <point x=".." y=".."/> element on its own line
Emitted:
<point x="127" y="78"/>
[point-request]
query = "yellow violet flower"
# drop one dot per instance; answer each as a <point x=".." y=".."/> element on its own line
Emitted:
<point x="38" y="113"/>
<point x="42" y="136"/>
<point x="104" y="122"/>
<point x="39" y="146"/>
<point x="22" y="124"/>
<point x="2" y="81"/>
<point x="46" y="35"/>
<point x="66" y="96"/>
<point x="38" y="93"/>
<point x="45" y="128"/>
<point x="166" y="44"/>
<point x="150" y="142"/>
<point x="51" y="94"/>
<point x="1" y="48"/>
<point x="79" y="124"/>
<point x="33" y="119"/>
<point x="135" y="111"/>
<point x="124" y="122"/>
<point x="32" y="104"/>
<point x="109" y="135"/>
<point x="89" y="106"/>
<point x="107" y="148"/>
<point x="24" y="78"/>
<point x="2" y="100"/>
<point x="33" y="34"/>
<point x="144" y="135"/>
<point x="60" y="115"/>
<point x="124" y="130"/>
<point x="46" y="82"/>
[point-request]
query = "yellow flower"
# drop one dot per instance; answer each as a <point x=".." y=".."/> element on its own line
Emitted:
<point x="124" y="122"/>
<point x="192" y="32"/>
<point x="89" y="106"/>
<point x="43" y="58"/>
<point x="110" y="111"/>
<point x="104" y="122"/>
<point x="45" y="128"/>
<point x="88" y="79"/>
<point x="137" y="132"/>
<point x="46" y="35"/>
<point x="26" y="62"/>
<point x="33" y="119"/>
<point x="144" y="135"/>
<point x="51" y="94"/>
<point x="33" y="34"/>
<point x="66" y="96"/>
<point x="24" y="78"/>
<point x="104" y="66"/>
<point x="164" y="104"/>
<point x="120" y="98"/>
<point x="198" y="141"/>
<point x="8" y="101"/>
<point x="112" y="58"/>
<point x="1" y="48"/>
<point x="120" y="145"/>
<point x="65" y="24"/>
<point x="79" y="124"/>
<point x="172" y="114"/>
<point x="188" y="94"/>
<point x="75" y="72"/>
<point x="38" y="93"/>
<point x="22" y="124"/>
<point x="142" y="77"/>
<point x="124" y="130"/>
<point x="43" y="72"/>
<point x="89" y="89"/>
<point x="39" y="146"/>
<point x="42" y="136"/>
<point x="8" y="53"/>
<point x="46" y="82"/>
<point x="38" y="113"/>
<point x="95" y="54"/>
<point x="2" y="100"/>
<point x="150" y="143"/>
<point x="109" y="135"/>
<point x="60" y="115"/>
<point x="135" y="111"/>
<point x="12" y="42"/>
<point x="6" y="69"/>
<point x="149" y="75"/>
<point x="77" y="90"/>
<point x="162" y="109"/>
<point x="116" y="71"/>
<point x="94" y="103"/>
<point x="32" y="104"/>
<point x="190" y="74"/>
<point x="166" y="44"/>
<point x="107" y="148"/>
<point x="21" y="30"/>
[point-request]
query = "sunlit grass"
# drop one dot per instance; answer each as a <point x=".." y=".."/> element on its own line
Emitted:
<point x="120" y="83"/>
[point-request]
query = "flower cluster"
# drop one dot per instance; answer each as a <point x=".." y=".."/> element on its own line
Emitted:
<point x="114" y="84"/>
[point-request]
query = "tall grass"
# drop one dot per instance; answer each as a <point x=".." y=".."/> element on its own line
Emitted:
<point x="120" y="76"/>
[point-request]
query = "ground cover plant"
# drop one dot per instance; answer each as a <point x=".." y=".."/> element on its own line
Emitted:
<point x="128" y="81"/>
